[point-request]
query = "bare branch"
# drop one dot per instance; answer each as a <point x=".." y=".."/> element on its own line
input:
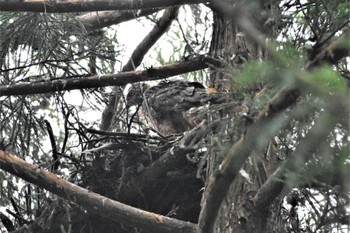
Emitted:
<point x="124" y="135"/>
<point x="135" y="60"/>
<point x="152" y="37"/>
<point x="96" y="20"/>
<point x="93" y="202"/>
<point x="120" y="79"/>
<point x="87" y="5"/>
<point x="56" y="159"/>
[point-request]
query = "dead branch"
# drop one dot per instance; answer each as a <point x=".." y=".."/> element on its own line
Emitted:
<point x="49" y="6"/>
<point x="93" y="202"/>
<point x="120" y="79"/>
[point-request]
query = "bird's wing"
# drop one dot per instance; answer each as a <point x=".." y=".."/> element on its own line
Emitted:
<point x="175" y="96"/>
<point x="166" y="106"/>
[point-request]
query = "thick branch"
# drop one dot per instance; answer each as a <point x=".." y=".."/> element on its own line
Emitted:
<point x="221" y="180"/>
<point x="219" y="183"/>
<point x="97" y="20"/>
<point x="120" y="79"/>
<point x="87" y="5"/>
<point x="93" y="202"/>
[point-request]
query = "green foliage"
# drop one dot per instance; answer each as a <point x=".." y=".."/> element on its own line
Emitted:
<point x="325" y="80"/>
<point x="343" y="8"/>
<point x="40" y="47"/>
<point x="251" y="73"/>
<point x="54" y="45"/>
<point x="290" y="60"/>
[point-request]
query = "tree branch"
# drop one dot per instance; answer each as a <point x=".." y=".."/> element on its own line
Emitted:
<point x="167" y="161"/>
<point x="221" y="180"/>
<point x="124" y="135"/>
<point x="173" y="155"/>
<point x="55" y="157"/>
<point x="93" y="202"/>
<point x="275" y="183"/>
<point x="318" y="133"/>
<point x="8" y="224"/>
<point x="120" y="79"/>
<point x="219" y="183"/>
<point x="97" y="20"/>
<point x="58" y="6"/>
<point x="335" y="51"/>
<point x="152" y="37"/>
<point x="135" y="60"/>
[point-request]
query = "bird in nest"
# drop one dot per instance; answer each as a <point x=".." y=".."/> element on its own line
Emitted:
<point x="171" y="107"/>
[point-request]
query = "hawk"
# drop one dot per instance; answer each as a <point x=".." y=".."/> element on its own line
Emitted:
<point x="171" y="107"/>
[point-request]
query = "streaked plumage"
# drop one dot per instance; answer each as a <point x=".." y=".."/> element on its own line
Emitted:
<point x="171" y="107"/>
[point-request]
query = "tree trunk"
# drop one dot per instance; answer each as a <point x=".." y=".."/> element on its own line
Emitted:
<point x="237" y="213"/>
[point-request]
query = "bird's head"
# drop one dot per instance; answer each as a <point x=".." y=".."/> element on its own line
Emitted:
<point x="135" y="94"/>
